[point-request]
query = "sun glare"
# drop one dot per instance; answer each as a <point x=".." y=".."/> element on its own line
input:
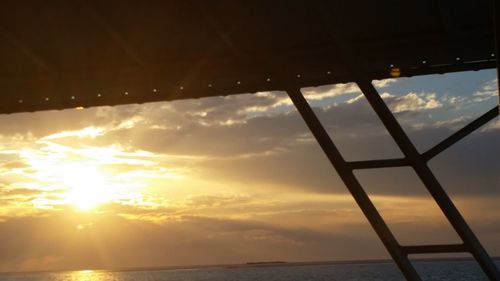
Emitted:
<point x="86" y="186"/>
<point x="83" y="178"/>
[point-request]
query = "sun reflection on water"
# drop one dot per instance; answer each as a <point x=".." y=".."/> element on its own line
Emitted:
<point x="87" y="275"/>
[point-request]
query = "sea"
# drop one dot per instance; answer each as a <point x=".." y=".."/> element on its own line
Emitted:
<point x="442" y="270"/>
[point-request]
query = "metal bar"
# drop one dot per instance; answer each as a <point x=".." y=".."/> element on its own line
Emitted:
<point x="448" y="68"/>
<point x="432" y="249"/>
<point x="460" y="134"/>
<point x="374" y="164"/>
<point x="431" y="183"/>
<point x="353" y="185"/>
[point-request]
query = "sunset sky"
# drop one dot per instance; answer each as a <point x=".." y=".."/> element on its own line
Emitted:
<point x="239" y="178"/>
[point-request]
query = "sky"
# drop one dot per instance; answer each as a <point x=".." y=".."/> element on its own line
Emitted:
<point x="240" y="178"/>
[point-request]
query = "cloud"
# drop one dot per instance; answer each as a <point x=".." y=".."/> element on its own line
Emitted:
<point x="487" y="91"/>
<point x="88" y="132"/>
<point x="359" y="136"/>
<point x="216" y="200"/>
<point x="238" y="176"/>
<point x="153" y="210"/>
<point x="106" y="241"/>
<point x="384" y="83"/>
<point x="330" y="91"/>
<point x="273" y="148"/>
<point x="15" y="164"/>
<point x="454" y="102"/>
<point x="412" y="102"/>
<point x="15" y="192"/>
<point x="194" y="240"/>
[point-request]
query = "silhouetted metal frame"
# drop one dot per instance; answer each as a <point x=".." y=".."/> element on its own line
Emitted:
<point x="419" y="164"/>
<point x="346" y="174"/>
<point x="413" y="159"/>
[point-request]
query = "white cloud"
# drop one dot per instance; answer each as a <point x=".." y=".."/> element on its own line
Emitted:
<point x="88" y="132"/>
<point x="357" y="98"/>
<point x="320" y="93"/>
<point x="412" y="102"/>
<point x="489" y="89"/>
<point x="454" y="102"/>
<point x="453" y="124"/>
<point x="384" y="83"/>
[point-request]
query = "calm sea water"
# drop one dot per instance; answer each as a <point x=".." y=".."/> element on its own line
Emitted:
<point x="435" y="270"/>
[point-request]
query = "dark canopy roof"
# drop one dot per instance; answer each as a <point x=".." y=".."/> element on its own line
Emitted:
<point x="64" y="54"/>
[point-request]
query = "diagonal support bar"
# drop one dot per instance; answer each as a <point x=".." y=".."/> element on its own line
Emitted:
<point x="353" y="185"/>
<point x="427" y="177"/>
<point x="375" y="164"/>
<point x="460" y="134"/>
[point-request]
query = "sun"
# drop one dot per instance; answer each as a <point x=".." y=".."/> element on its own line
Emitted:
<point x="86" y="186"/>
